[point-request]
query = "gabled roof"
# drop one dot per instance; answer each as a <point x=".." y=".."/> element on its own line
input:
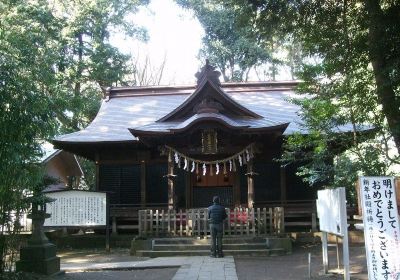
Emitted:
<point x="67" y="160"/>
<point x="135" y="107"/>
<point x="209" y="88"/>
<point x="207" y="105"/>
<point x="234" y="124"/>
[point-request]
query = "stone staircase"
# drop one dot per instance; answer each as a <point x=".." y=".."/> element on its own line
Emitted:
<point x="233" y="246"/>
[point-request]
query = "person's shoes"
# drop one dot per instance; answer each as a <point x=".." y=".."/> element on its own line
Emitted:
<point x="213" y="256"/>
<point x="220" y="255"/>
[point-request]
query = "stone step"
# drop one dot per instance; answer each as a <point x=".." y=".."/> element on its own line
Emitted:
<point x="201" y="241"/>
<point x="180" y="241"/>
<point x="199" y="247"/>
<point x="254" y="252"/>
<point x="187" y="246"/>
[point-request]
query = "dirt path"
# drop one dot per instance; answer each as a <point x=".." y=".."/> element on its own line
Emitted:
<point x="295" y="266"/>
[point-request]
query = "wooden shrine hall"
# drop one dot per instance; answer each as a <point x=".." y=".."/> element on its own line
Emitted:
<point x="175" y="147"/>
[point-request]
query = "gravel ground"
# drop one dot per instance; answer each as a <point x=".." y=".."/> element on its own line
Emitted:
<point x="148" y="274"/>
<point x="295" y="266"/>
<point x="97" y="256"/>
<point x="288" y="267"/>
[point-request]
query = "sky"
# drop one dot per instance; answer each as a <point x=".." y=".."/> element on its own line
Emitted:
<point x="174" y="34"/>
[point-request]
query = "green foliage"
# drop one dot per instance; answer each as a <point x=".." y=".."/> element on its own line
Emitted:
<point x="234" y="48"/>
<point x="27" y="51"/>
<point x="350" y="82"/>
<point x="88" y="61"/>
<point x="54" y="58"/>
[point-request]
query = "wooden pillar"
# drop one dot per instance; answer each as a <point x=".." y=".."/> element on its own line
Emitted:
<point x="142" y="183"/>
<point x="236" y="188"/>
<point x="97" y="159"/>
<point x="283" y="184"/>
<point x="188" y="187"/>
<point x="171" y="186"/>
<point x="250" y="184"/>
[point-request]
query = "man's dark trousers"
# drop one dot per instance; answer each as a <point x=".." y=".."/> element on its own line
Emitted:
<point x="216" y="217"/>
<point x="216" y="239"/>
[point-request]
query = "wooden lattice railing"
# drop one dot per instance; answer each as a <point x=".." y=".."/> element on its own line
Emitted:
<point x="194" y="222"/>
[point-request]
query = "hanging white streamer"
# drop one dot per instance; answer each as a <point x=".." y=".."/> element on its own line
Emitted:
<point x="243" y="157"/>
<point x="251" y="151"/>
<point x="247" y="155"/>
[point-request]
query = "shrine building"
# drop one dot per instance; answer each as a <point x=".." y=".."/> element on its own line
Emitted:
<point x="178" y="146"/>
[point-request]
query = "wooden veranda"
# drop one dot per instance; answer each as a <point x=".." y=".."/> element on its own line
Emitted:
<point x="267" y="218"/>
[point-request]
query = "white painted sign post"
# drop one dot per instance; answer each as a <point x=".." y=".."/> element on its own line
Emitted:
<point x="331" y="208"/>
<point x="75" y="208"/>
<point x="381" y="227"/>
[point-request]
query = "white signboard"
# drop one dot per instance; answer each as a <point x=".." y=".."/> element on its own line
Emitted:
<point x="331" y="209"/>
<point x="76" y="208"/>
<point x="381" y="227"/>
<point x="330" y="205"/>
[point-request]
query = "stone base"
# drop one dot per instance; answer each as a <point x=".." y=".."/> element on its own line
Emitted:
<point x="39" y="259"/>
<point x="280" y="243"/>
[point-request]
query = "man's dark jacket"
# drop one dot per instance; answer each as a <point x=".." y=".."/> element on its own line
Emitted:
<point x="216" y="214"/>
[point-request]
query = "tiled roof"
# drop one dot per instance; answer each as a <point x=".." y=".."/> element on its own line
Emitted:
<point x="137" y="107"/>
<point x="244" y="123"/>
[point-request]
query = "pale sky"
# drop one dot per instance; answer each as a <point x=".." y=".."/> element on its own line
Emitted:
<point x="173" y="33"/>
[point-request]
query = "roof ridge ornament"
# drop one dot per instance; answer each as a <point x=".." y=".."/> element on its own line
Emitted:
<point x="208" y="72"/>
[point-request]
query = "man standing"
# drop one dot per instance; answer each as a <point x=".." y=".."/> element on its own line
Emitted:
<point x="216" y="216"/>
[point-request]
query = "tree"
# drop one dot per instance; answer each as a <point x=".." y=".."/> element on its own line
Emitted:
<point x="347" y="37"/>
<point x="146" y="73"/>
<point x="234" y="48"/>
<point x="54" y="56"/>
<point x="29" y="35"/>
<point x="350" y="73"/>
<point x="89" y="61"/>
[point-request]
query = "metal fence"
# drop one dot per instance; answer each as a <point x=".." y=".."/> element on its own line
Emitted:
<point x="194" y="222"/>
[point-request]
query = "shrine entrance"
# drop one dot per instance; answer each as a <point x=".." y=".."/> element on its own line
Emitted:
<point x="211" y="137"/>
<point x="204" y="188"/>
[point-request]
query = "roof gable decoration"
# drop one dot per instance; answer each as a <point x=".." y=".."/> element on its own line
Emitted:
<point x="209" y="73"/>
<point x="209" y="97"/>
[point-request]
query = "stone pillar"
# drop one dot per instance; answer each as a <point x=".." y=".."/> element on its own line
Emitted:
<point x="40" y="255"/>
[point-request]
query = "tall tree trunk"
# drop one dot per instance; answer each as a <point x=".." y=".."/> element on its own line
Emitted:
<point x="77" y="88"/>
<point x="378" y="46"/>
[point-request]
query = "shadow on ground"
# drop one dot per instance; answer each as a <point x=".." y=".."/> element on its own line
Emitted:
<point x="295" y="266"/>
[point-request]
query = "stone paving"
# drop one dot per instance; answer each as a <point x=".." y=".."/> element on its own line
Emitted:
<point x="207" y="268"/>
<point x="190" y="268"/>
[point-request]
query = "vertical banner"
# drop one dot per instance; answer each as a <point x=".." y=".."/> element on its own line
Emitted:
<point x="381" y="227"/>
